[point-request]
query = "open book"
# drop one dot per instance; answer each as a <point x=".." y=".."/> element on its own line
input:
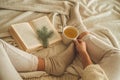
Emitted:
<point x="26" y="36"/>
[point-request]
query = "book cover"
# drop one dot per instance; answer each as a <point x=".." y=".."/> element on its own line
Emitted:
<point x="25" y="34"/>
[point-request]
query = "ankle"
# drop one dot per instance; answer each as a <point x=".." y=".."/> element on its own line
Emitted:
<point x="41" y="64"/>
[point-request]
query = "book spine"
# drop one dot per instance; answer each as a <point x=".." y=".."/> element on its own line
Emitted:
<point x="17" y="39"/>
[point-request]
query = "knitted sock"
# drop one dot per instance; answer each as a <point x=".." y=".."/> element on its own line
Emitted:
<point x="57" y="64"/>
<point x="76" y="19"/>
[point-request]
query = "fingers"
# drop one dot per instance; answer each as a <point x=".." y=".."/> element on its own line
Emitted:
<point x="80" y="41"/>
<point x="83" y="34"/>
<point x="76" y="42"/>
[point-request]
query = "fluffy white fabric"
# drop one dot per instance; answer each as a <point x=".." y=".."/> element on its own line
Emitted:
<point x="94" y="72"/>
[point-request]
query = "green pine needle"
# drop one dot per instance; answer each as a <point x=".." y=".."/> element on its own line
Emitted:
<point x="44" y="35"/>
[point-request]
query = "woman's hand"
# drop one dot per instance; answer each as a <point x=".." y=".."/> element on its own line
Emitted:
<point x="80" y="46"/>
<point x="81" y="49"/>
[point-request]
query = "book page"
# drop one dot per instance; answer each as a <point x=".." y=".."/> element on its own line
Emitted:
<point x="26" y="35"/>
<point x="45" y="22"/>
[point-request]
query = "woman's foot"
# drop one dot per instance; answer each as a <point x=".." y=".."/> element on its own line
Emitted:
<point x="75" y="17"/>
<point x="57" y="64"/>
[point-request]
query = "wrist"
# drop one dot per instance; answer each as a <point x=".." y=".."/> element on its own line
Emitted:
<point x="83" y="53"/>
<point x="86" y="60"/>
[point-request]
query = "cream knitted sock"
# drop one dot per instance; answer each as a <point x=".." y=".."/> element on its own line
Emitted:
<point x="76" y="19"/>
<point x="57" y="64"/>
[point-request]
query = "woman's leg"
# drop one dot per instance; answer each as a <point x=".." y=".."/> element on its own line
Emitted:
<point x="107" y="56"/>
<point x="97" y="48"/>
<point x="22" y="61"/>
<point x="100" y="52"/>
<point x="56" y="65"/>
<point x="94" y="46"/>
<point x="7" y="70"/>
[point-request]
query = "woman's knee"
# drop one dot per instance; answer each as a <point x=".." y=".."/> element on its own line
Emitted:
<point x="111" y="65"/>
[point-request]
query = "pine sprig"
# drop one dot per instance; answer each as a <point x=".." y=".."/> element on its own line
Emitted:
<point x="44" y="35"/>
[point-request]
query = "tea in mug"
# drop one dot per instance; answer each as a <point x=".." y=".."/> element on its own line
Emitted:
<point x="70" y="32"/>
